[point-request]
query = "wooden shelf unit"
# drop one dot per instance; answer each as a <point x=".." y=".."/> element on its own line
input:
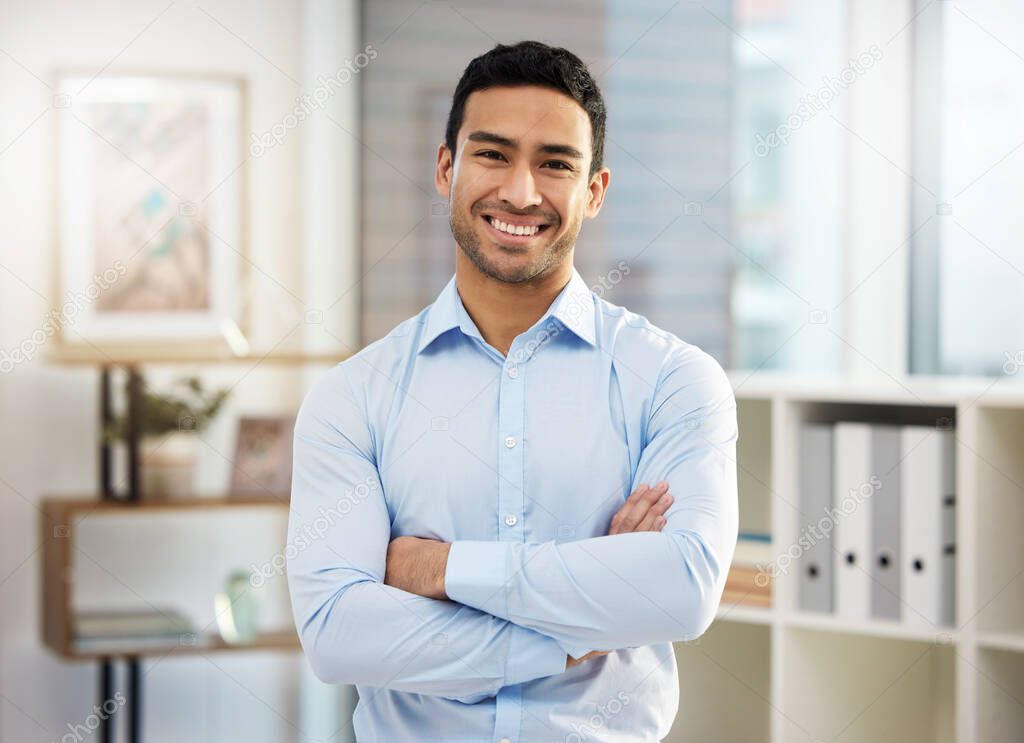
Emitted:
<point x="57" y="537"/>
<point x="808" y="677"/>
<point x="57" y="533"/>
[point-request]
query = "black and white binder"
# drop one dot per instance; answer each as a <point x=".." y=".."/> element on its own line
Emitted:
<point x="928" y="484"/>
<point x="885" y="522"/>
<point x="854" y="489"/>
<point x="815" y="561"/>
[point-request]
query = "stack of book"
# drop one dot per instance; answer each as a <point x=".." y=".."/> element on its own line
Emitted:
<point x="748" y="582"/>
<point x="108" y="631"/>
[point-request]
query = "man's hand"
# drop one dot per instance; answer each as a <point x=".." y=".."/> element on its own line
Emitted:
<point x="570" y="661"/>
<point x="643" y="510"/>
<point x="417" y="565"/>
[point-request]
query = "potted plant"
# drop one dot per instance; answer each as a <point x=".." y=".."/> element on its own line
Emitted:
<point x="169" y="425"/>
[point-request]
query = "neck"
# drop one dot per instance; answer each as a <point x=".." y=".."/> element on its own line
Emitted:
<point x="501" y="310"/>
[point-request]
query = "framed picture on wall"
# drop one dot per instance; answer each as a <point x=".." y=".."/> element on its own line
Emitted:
<point x="151" y="236"/>
<point x="263" y="457"/>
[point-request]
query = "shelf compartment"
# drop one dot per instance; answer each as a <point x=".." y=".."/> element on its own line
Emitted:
<point x="789" y="521"/>
<point x="998" y="463"/>
<point x="190" y="547"/>
<point x="864" y="689"/>
<point x="1000" y="696"/>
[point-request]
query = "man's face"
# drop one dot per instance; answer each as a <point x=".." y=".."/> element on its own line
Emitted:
<point x="522" y="164"/>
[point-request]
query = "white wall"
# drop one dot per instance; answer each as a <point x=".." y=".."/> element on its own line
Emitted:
<point x="48" y="414"/>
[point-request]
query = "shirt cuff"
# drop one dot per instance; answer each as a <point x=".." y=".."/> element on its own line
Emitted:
<point x="532" y="655"/>
<point x="475" y="575"/>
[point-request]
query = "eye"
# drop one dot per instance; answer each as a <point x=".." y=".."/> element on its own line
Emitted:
<point x="562" y="165"/>
<point x="488" y="154"/>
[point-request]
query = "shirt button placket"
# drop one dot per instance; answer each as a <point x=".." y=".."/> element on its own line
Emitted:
<point x="511" y="505"/>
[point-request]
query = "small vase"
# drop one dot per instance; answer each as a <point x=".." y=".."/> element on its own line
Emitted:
<point x="237" y="609"/>
<point x="168" y="465"/>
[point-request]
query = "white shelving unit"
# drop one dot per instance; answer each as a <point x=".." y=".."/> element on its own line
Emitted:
<point x="782" y="675"/>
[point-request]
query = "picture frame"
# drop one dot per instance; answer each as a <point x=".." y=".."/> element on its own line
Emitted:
<point x="262" y="465"/>
<point x="151" y="238"/>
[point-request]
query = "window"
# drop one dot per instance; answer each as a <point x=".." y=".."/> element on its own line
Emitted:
<point x="968" y="261"/>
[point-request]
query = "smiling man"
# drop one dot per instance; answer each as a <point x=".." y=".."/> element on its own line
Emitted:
<point x="473" y="541"/>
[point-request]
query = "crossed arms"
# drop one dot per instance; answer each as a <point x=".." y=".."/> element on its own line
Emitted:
<point x="371" y="610"/>
<point x="418" y="565"/>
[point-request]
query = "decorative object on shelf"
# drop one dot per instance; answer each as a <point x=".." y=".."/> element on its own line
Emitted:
<point x="237" y="609"/>
<point x="263" y="457"/>
<point x="168" y="466"/>
<point x="169" y="427"/>
<point x="151" y="218"/>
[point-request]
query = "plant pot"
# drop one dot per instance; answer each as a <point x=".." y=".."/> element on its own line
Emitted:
<point x="168" y="466"/>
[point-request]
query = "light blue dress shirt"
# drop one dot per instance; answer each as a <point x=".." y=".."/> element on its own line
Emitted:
<point x="520" y="462"/>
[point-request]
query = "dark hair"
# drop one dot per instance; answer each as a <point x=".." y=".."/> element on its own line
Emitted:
<point x="532" y="63"/>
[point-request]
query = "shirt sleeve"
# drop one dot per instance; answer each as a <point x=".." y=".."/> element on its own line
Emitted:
<point x="640" y="588"/>
<point x="354" y="628"/>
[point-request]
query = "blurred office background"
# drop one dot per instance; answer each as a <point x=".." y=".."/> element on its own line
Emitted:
<point x="808" y="190"/>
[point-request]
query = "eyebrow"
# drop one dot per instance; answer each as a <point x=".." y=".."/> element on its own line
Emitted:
<point x="549" y="149"/>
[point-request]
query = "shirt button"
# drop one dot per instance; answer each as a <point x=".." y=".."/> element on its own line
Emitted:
<point x="504" y="740"/>
<point x="513" y="372"/>
<point x="511" y="519"/>
<point x="510" y="441"/>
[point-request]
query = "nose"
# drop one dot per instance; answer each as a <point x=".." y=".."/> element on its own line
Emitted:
<point x="519" y="188"/>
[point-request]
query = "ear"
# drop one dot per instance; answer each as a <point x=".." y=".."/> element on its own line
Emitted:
<point x="598" y="188"/>
<point x="444" y="174"/>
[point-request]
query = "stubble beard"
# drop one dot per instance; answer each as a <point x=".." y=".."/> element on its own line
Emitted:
<point x="553" y="255"/>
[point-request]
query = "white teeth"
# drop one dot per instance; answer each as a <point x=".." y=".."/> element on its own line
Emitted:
<point x="513" y="230"/>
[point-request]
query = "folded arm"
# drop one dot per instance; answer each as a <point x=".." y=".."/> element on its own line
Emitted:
<point x="628" y="590"/>
<point x="353" y="627"/>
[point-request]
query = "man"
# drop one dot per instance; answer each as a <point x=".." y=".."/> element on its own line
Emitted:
<point x="462" y="545"/>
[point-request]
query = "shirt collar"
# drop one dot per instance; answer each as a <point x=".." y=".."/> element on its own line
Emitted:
<point x="573" y="307"/>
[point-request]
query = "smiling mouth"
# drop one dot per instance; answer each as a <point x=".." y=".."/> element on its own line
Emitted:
<point x="519" y="235"/>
